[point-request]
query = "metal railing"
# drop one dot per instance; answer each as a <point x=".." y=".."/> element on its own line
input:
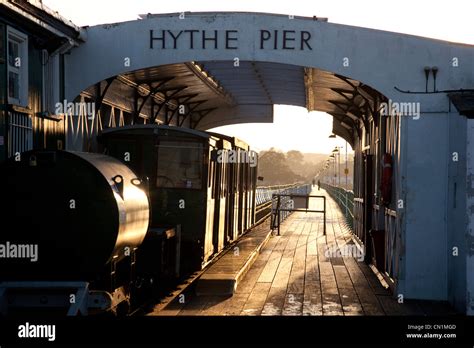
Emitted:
<point x="344" y="199"/>
<point x="289" y="206"/>
<point x="264" y="195"/>
<point x="392" y="244"/>
<point x="20" y="133"/>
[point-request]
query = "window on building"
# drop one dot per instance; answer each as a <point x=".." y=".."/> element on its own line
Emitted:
<point x="17" y="53"/>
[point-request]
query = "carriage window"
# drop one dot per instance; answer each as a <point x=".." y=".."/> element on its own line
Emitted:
<point x="179" y="165"/>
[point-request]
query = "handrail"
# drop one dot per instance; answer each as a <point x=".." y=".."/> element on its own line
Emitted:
<point x="288" y="206"/>
<point x="280" y="186"/>
<point x="345" y="200"/>
<point x="264" y="193"/>
<point x="265" y="203"/>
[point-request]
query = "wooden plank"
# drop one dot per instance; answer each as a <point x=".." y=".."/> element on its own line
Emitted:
<point x="274" y="302"/>
<point x="249" y="281"/>
<point x="270" y="269"/>
<point x="281" y="244"/>
<point x="337" y="261"/>
<point x="297" y="275"/>
<point x="302" y="241"/>
<point x="222" y="277"/>
<point x="330" y="239"/>
<point x="390" y="305"/>
<point x="331" y="301"/>
<point x="360" y="298"/>
<point x="312" y="301"/>
<point x="311" y="247"/>
<point x="287" y="228"/>
<point x="342" y="277"/>
<point x="195" y="306"/>
<point x="268" y="248"/>
<point x="283" y="273"/>
<point x="328" y="279"/>
<point x="293" y="304"/>
<point x="289" y="251"/>
<point x="235" y="304"/>
<point x="293" y="240"/>
<point x="172" y="309"/>
<point x="350" y="302"/>
<point x="300" y="253"/>
<point x="311" y="268"/>
<point x="377" y="288"/>
<point x="307" y="225"/>
<point x="369" y="301"/>
<point x="322" y="247"/>
<point x="256" y="300"/>
<point x="321" y="230"/>
<point x="301" y="246"/>
<point x="215" y="305"/>
<point x="220" y="305"/>
<point x="357" y="276"/>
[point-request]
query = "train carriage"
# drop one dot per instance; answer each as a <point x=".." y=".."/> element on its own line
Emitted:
<point x="182" y="178"/>
<point x="159" y="202"/>
<point x="242" y="184"/>
<point x="252" y="187"/>
<point x="220" y="158"/>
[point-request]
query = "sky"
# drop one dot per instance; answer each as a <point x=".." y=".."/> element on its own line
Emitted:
<point x="293" y="127"/>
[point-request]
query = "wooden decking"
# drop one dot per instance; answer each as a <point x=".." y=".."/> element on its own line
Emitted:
<point x="294" y="275"/>
<point x="223" y="276"/>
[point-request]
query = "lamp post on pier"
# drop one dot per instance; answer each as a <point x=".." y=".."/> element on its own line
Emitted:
<point x="336" y="152"/>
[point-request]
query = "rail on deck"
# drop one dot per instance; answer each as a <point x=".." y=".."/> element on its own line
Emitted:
<point x="265" y="199"/>
<point x="344" y="199"/>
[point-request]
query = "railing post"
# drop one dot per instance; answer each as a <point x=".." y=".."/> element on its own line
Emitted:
<point x="324" y="227"/>
<point x="347" y="217"/>
<point x="278" y="212"/>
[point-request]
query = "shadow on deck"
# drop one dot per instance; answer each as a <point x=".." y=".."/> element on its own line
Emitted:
<point x="294" y="274"/>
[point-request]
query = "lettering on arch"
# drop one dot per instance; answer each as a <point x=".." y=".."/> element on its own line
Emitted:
<point x="273" y="39"/>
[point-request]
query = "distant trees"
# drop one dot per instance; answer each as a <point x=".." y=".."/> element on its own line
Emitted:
<point x="294" y="158"/>
<point x="279" y="168"/>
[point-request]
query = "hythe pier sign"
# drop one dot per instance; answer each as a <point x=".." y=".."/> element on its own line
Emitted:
<point x="228" y="39"/>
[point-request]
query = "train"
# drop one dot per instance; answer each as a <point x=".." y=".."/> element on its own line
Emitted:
<point x="155" y="204"/>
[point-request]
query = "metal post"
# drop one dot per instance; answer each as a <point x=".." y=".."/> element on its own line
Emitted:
<point x="324" y="214"/>
<point x="347" y="186"/>
<point x="278" y="213"/>
<point x="346" y="205"/>
<point x="339" y="168"/>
